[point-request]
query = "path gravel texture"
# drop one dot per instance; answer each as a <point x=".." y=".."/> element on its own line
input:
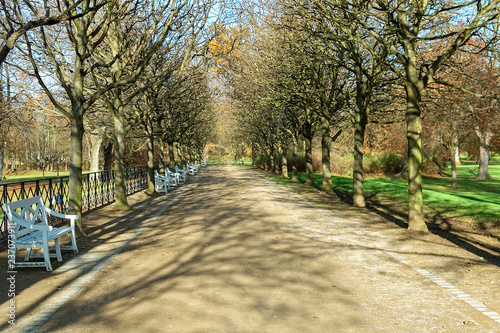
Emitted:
<point x="232" y="251"/>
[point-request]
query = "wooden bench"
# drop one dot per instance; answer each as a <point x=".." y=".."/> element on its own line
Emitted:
<point x="182" y="173"/>
<point x="28" y="220"/>
<point x="192" y="168"/>
<point x="172" y="177"/>
<point x="162" y="184"/>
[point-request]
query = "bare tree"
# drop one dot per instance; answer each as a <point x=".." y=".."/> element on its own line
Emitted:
<point x="62" y="54"/>
<point x="176" y="26"/>
<point x="363" y="57"/>
<point x="67" y="55"/>
<point x="18" y="17"/>
<point x="406" y="28"/>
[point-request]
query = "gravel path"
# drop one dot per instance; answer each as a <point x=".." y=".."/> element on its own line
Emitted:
<point x="234" y="252"/>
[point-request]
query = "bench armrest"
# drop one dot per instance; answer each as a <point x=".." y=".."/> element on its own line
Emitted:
<point x="70" y="217"/>
<point x="61" y="215"/>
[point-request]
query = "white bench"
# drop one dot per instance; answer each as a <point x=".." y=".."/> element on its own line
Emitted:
<point x="192" y="168"/>
<point x="28" y="222"/>
<point x="182" y="173"/>
<point x="203" y="163"/>
<point x="162" y="184"/>
<point x="172" y="177"/>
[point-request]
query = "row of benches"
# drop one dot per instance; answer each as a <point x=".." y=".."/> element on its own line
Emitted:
<point x="29" y="225"/>
<point x="169" y="179"/>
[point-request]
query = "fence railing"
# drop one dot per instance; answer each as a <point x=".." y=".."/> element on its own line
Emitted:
<point x="98" y="189"/>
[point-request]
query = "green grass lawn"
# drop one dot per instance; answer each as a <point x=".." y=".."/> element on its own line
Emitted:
<point x="21" y="176"/>
<point x="475" y="199"/>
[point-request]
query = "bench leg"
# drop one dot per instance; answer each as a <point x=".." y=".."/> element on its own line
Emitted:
<point x="46" y="256"/>
<point x="73" y="241"/>
<point x="28" y="254"/>
<point x="58" y="250"/>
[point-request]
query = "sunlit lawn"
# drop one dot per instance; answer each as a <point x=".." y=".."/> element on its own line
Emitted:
<point x="21" y="176"/>
<point x="478" y="199"/>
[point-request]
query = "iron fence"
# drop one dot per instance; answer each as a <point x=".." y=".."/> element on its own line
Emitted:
<point x="98" y="189"/>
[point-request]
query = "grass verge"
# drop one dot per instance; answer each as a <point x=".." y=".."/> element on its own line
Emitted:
<point x="472" y="208"/>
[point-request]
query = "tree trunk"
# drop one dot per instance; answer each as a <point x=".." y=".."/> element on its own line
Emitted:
<point x="161" y="156"/>
<point x="108" y="155"/>
<point x="309" y="158"/>
<point x="263" y="156"/>
<point x="171" y="158"/>
<point x="95" y="149"/>
<point x="187" y="155"/>
<point x="416" y="219"/>
<point x="295" y="162"/>
<point x="276" y="161"/>
<point x="360" y="121"/>
<point x="254" y="151"/>
<point x="272" y="165"/>
<point x="150" y="189"/>
<point x="284" y="163"/>
<point x="326" y="143"/>
<point x="76" y="142"/>
<point x="75" y="170"/>
<point x="13" y="163"/>
<point x="308" y="137"/>
<point x="121" y="202"/>
<point x="199" y="154"/>
<point x="175" y="149"/>
<point x="454" y="161"/>
<point x="180" y="158"/>
<point x="484" y="153"/>
<point x="116" y="106"/>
